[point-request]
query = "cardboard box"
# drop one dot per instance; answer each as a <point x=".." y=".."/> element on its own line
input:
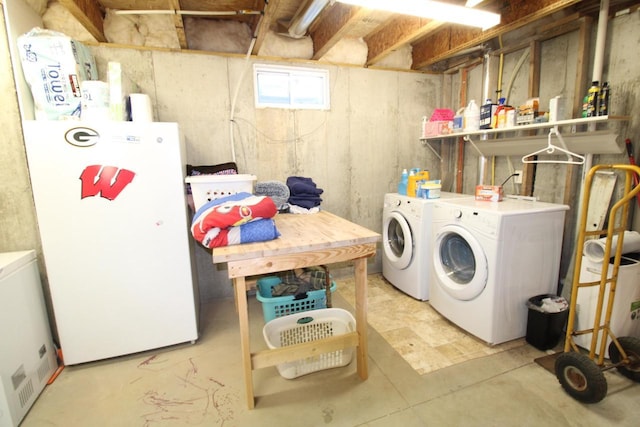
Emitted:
<point x="437" y="128"/>
<point x="54" y="66"/>
<point x="528" y="112"/>
<point x="489" y="193"/>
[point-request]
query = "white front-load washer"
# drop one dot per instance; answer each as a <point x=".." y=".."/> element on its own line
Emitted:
<point x="489" y="258"/>
<point x="406" y="237"/>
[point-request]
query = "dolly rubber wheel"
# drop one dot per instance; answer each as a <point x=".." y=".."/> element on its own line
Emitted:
<point x="631" y="346"/>
<point x="580" y="377"/>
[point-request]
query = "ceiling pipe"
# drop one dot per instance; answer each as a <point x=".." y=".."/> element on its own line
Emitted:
<point x="185" y="12"/>
<point x="304" y="17"/>
<point x="601" y="38"/>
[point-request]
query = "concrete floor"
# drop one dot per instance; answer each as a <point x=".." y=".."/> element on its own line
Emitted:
<point x="202" y="385"/>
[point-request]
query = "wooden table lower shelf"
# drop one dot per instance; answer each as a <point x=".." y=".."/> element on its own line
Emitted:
<point x="305" y="241"/>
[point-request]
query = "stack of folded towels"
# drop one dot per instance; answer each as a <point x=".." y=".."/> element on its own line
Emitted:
<point x="304" y="192"/>
<point x="240" y="218"/>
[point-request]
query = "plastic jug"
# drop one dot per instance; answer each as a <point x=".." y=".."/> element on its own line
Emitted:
<point x="472" y="117"/>
<point x="404" y="182"/>
<point x="414" y="182"/>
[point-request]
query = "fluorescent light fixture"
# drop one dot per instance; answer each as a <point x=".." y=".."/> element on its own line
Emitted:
<point x="472" y="3"/>
<point x="435" y="10"/>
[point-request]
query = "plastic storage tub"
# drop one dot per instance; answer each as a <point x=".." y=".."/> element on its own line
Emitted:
<point x="273" y="307"/>
<point x="304" y="327"/>
<point x="206" y="188"/>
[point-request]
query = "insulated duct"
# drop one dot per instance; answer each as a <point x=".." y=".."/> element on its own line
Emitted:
<point x="304" y="17"/>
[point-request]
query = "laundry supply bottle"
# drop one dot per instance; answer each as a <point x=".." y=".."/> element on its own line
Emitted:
<point x="585" y="106"/>
<point x="496" y="113"/>
<point x="486" y="113"/>
<point x="404" y="182"/>
<point x="592" y="103"/>
<point x="458" y="121"/>
<point x="472" y="117"/>
<point x="603" y="107"/>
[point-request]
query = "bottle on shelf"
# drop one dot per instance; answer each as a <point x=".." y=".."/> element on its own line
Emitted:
<point x="592" y="102"/>
<point x="486" y="113"/>
<point x="494" y="117"/>
<point x="603" y="104"/>
<point x="585" y="106"/>
<point x="472" y="117"/>
<point x="404" y="182"/>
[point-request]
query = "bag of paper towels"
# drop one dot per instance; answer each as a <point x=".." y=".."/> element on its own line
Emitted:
<point x="594" y="249"/>
<point x="54" y="67"/>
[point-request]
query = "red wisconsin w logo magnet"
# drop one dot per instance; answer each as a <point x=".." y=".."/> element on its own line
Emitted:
<point x="107" y="181"/>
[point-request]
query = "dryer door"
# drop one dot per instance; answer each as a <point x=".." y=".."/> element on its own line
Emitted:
<point x="397" y="240"/>
<point x="460" y="263"/>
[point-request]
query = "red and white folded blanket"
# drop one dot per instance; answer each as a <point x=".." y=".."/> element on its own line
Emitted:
<point x="240" y="218"/>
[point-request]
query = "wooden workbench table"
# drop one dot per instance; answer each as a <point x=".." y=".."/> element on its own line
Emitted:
<point x="306" y="240"/>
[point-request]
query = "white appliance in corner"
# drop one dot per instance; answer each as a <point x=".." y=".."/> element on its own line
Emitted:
<point x="112" y="215"/>
<point x="28" y="357"/>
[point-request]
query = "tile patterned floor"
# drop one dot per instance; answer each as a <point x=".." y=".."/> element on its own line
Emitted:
<point x="425" y="339"/>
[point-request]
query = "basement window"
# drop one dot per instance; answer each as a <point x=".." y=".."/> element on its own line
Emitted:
<point x="291" y="87"/>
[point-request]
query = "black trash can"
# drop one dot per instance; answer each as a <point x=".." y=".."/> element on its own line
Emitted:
<point x="545" y="325"/>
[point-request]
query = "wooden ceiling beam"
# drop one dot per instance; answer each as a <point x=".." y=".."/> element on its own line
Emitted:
<point x="179" y="24"/>
<point x="514" y="14"/>
<point x="397" y="32"/>
<point x="89" y="14"/>
<point x="336" y="22"/>
<point x="265" y="23"/>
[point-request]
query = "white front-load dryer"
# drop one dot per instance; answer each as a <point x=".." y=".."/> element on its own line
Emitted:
<point x="489" y="258"/>
<point x="406" y="237"/>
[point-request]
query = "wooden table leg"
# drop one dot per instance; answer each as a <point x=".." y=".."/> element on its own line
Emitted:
<point x="243" y="316"/>
<point x="361" y="317"/>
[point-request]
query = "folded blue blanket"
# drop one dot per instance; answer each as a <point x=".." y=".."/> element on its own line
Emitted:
<point x="304" y="192"/>
<point x="299" y="185"/>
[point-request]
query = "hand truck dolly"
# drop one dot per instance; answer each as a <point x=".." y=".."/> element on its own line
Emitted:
<point x="582" y="375"/>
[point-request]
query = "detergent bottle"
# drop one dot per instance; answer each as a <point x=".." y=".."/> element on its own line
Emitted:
<point x="415" y="180"/>
<point x="404" y="182"/>
<point x="472" y="117"/>
<point x="496" y="113"/>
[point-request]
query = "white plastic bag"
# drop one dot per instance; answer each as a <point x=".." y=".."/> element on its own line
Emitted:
<point x="54" y="66"/>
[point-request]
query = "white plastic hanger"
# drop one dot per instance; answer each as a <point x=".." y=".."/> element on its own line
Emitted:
<point x="572" y="158"/>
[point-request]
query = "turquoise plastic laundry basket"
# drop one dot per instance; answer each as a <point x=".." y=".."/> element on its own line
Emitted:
<point x="273" y="307"/>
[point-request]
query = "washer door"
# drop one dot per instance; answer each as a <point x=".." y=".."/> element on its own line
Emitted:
<point x="460" y="263"/>
<point x="398" y="240"/>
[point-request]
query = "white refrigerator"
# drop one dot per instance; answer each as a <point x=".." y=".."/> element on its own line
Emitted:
<point x="112" y="216"/>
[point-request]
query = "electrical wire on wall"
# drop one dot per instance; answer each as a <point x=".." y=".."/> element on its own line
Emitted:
<point x="297" y="137"/>
<point x="235" y="93"/>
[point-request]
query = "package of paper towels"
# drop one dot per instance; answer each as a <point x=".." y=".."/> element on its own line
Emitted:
<point x="594" y="249"/>
<point x="54" y="66"/>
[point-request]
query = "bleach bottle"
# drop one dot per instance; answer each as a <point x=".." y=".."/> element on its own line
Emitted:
<point x="404" y="182"/>
<point x="472" y="117"/>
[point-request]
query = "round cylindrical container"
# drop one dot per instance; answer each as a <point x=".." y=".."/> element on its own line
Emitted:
<point x="95" y="100"/>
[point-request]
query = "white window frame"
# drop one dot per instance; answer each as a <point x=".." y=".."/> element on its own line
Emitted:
<point x="291" y="94"/>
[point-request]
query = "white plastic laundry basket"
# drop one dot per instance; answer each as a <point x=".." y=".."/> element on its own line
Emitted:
<point x="310" y="326"/>
<point x="206" y="188"/>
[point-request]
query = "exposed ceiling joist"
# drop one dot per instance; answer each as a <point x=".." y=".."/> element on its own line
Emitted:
<point x="396" y="33"/>
<point x="453" y="39"/>
<point x="434" y="44"/>
<point x="88" y="13"/>
<point x="335" y="24"/>
<point x="179" y="24"/>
